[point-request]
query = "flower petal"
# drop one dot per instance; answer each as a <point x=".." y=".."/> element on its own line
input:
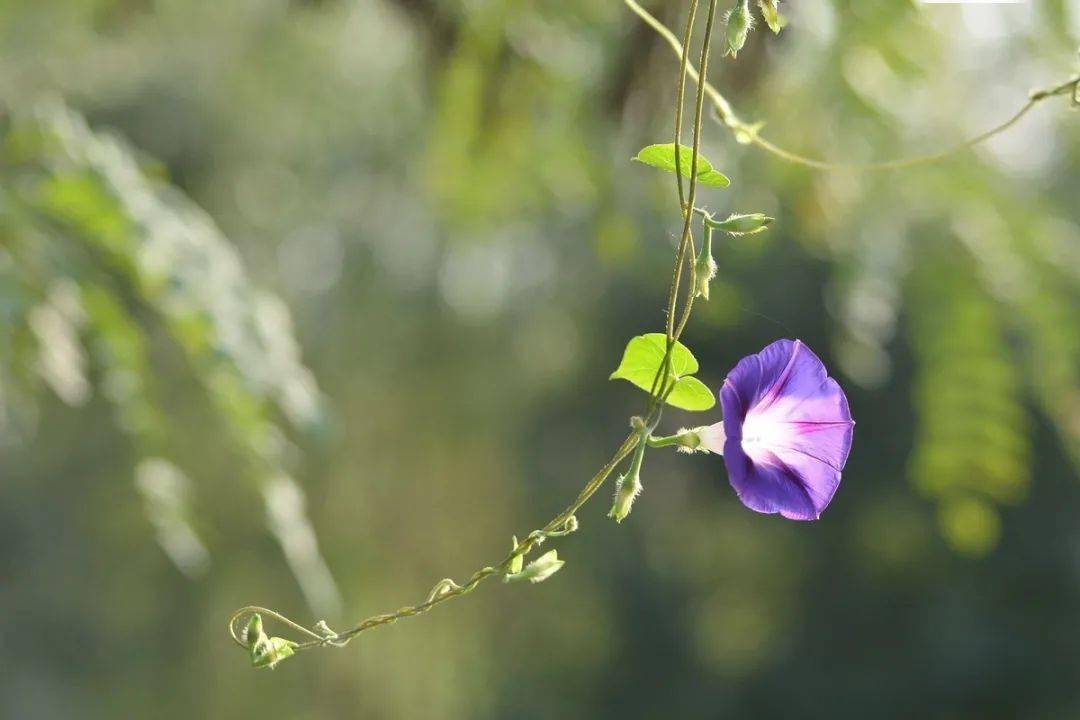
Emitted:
<point x="819" y="426"/>
<point x="789" y="431"/>
<point x="769" y="488"/>
<point x="818" y="479"/>
<point x="791" y="372"/>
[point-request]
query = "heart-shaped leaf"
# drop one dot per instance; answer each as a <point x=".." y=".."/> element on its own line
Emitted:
<point x="642" y="359"/>
<point x="663" y="156"/>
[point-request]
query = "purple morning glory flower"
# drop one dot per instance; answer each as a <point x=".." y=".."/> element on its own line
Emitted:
<point x="786" y="432"/>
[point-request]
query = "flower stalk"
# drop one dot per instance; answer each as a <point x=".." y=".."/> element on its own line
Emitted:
<point x="685" y="441"/>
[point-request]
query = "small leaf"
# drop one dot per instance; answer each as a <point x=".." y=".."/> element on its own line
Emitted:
<point x="691" y="394"/>
<point x="641" y="360"/>
<point x="663" y="156"/>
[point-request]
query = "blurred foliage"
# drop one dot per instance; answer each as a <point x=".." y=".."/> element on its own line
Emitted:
<point x="973" y="431"/>
<point x="90" y="242"/>
<point x="442" y="194"/>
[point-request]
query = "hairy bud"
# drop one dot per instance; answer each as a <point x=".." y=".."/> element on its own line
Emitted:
<point x="771" y="14"/>
<point x="741" y="224"/>
<point x="627" y="489"/>
<point x="539" y="569"/>
<point x="739" y="22"/>
<point x="254" y="630"/>
<point x="704" y="266"/>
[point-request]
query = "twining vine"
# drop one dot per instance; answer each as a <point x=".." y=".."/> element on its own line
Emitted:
<point x="658" y="363"/>
<point x="750" y="133"/>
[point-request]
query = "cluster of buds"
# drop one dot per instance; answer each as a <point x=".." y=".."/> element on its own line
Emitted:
<point x="739" y="22"/>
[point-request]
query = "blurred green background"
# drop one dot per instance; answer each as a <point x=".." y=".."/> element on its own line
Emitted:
<point x="311" y="303"/>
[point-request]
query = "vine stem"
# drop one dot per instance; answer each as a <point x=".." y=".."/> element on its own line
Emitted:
<point x="748" y="132"/>
<point x="685" y="249"/>
<point x="680" y="98"/>
<point x="561" y="524"/>
<point x="565" y="522"/>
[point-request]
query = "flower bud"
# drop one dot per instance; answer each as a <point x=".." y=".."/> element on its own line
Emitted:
<point x="742" y="224"/>
<point x="771" y="14"/>
<point x="626" y="491"/>
<point x="539" y="569"/>
<point x="739" y="22"/>
<point x="704" y="266"/>
<point x="268" y="652"/>
<point x="254" y="631"/>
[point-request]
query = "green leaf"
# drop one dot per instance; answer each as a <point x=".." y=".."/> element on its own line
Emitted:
<point x="663" y="156"/>
<point x="712" y="177"/>
<point x="691" y="394"/>
<point x="643" y="356"/>
<point x="641" y="360"/>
